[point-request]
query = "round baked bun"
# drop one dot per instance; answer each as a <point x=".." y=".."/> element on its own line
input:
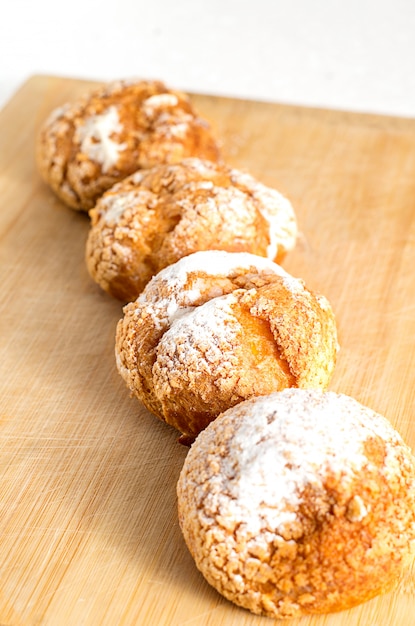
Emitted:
<point x="85" y="147"/>
<point x="154" y="217"/>
<point x="218" y="327"/>
<point x="299" y="502"/>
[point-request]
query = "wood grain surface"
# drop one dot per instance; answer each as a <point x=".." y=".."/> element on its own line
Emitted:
<point x="88" y="524"/>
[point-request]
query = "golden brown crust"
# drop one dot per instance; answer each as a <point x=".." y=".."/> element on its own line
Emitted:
<point x="85" y="147"/>
<point x="216" y="328"/>
<point x="155" y="217"/>
<point x="299" y="502"/>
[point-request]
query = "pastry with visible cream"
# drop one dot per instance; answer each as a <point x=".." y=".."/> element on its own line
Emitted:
<point x="154" y="217"/>
<point x="85" y="147"/>
<point x="216" y="328"/>
<point x="299" y="502"/>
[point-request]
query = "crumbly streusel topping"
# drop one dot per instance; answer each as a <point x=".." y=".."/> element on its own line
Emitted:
<point x="173" y="210"/>
<point x="85" y="147"/>
<point x="216" y="328"/>
<point x="299" y="502"/>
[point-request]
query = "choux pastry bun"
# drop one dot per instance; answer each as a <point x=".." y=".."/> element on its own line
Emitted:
<point x="154" y="217"/>
<point x="216" y="328"/>
<point x="85" y="147"/>
<point x="299" y="502"/>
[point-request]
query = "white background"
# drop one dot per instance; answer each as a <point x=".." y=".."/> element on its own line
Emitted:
<point x="344" y="54"/>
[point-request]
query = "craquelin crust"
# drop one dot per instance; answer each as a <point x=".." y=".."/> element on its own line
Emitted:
<point x="85" y="147"/>
<point x="216" y="328"/>
<point x="292" y="500"/>
<point x="299" y="502"/>
<point x="154" y="217"/>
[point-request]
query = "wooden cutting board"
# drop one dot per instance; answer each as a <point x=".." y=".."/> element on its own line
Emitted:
<point x="88" y="525"/>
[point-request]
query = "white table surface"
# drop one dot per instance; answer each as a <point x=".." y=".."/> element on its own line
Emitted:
<point x="344" y="54"/>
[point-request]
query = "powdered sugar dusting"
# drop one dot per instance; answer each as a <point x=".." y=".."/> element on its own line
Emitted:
<point x="211" y="263"/>
<point x="216" y="262"/>
<point x="159" y="101"/>
<point x="282" y="443"/>
<point x="206" y="331"/>
<point x="196" y="355"/>
<point x="179" y="130"/>
<point x="201" y="166"/>
<point x="202" y="184"/>
<point x="323" y="302"/>
<point x="279" y="213"/>
<point x="175" y="303"/>
<point x="57" y="114"/>
<point x="275" y="208"/>
<point x="95" y="137"/>
<point x="113" y="206"/>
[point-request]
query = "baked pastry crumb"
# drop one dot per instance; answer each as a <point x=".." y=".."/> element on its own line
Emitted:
<point x="299" y="502"/>
<point x="154" y="217"/>
<point x="216" y="328"/>
<point x="86" y="146"/>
